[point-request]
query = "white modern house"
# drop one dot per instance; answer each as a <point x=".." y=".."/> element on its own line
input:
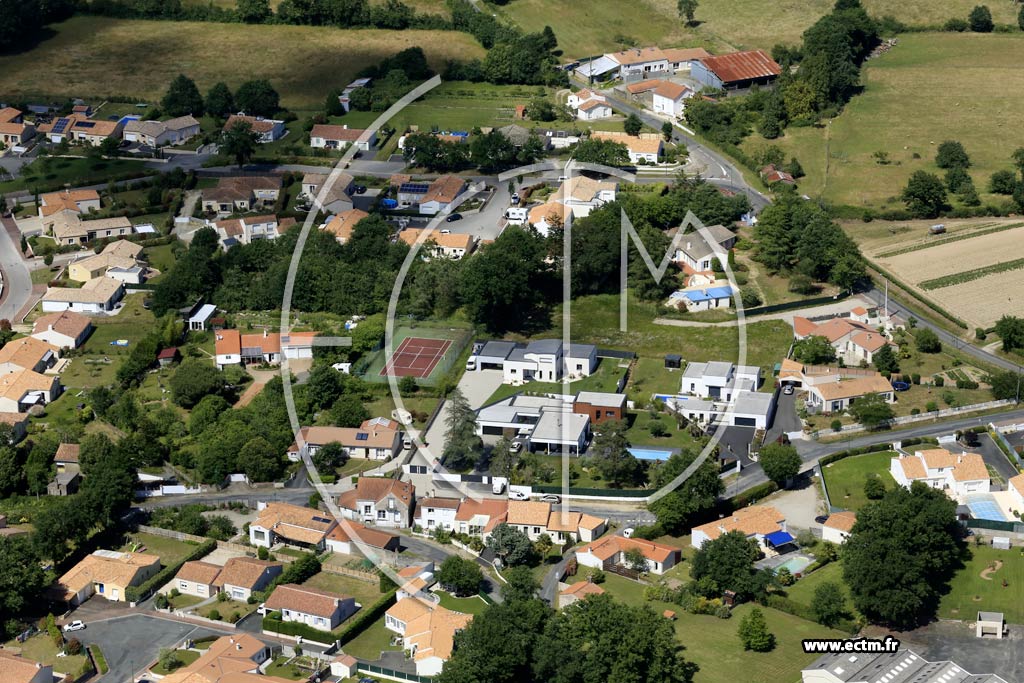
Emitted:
<point x="548" y="360"/>
<point x="957" y="475"/>
<point x="548" y="424"/>
<point x="436" y="513"/>
<point x="669" y="98"/>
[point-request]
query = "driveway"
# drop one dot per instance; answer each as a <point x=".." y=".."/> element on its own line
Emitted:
<point x="477" y="386"/>
<point x="131" y="643"/>
<point x="995" y="458"/>
<point x="786" y="417"/>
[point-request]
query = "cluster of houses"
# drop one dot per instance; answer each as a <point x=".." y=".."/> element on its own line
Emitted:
<point x="855" y="338"/>
<point x="831" y="389"/>
<point x="719" y="392"/>
<point x="103" y="278"/>
<point x="576" y="197"/>
<point x="736" y="71"/>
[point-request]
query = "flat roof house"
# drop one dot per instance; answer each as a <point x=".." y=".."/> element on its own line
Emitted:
<point x="547" y="423"/>
<point x="243" y="575"/>
<point x="373" y="440"/>
<point x="762" y="522"/>
<point x="379" y="501"/>
<point x="322" y="610"/>
<point x="301" y="527"/>
<point x="107" y="573"/>
<point x="600" y="406"/>
<point x="611" y="551"/>
<point x="736" y="71"/>
<point x="268" y="130"/>
<point x="98" y="295"/>
<point x="546" y="360"/>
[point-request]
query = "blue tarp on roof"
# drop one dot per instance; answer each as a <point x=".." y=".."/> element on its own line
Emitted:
<point x="777" y="538"/>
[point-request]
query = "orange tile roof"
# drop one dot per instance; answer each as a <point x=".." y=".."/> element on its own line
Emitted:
<point x="343" y="224"/>
<point x="685" y="54"/>
<point x="258" y="125"/>
<point x="244" y="572"/>
<point x="26" y="352"/>
<point x="610" y="546"/>
<point x="9" y="114"/>
<point x="802" y="327"/>
<point x="376" y="437"/>
<point x="550" y="212"/>
<point x="52" y="202"/>
<point x="671" y="90"/>
<point x="432" y="633"/>
<point x="374" y="538"/>
<point x="445" y="189"/>
<point x="870" y="341"/>
<point x="446" y="503"/>
<point x="67" y="452"/>
<point x="119" y="569"/>
<point x="859" y="310"/>
<point x="937" y="458"/>
<point x="528" y="512"/>
<point x="378" y="488"/>
<point x="269" y="342"/>
<point x="15" y="385"/>
<point x="650" y="144"/>
<point x="913" y="468"/>
<point x="842" y="521"/>
<point x="755" y="519"/>
<point x="590" y="105"/>
<point x="486" y="507"/>
<point x="638" y="55"/>
<point x="1017" y="483"/>
<point x="228" y="342"/>
<point x="970" y="467"/>
<point x="305" y="525"/>
<point x="307" y="600"/>
<point x="643" y="86"/>
<point x="18" y="669"/>
<point x="582" y="589"/>
<point x="199" y="572"/>
<point x="330" y="132"/>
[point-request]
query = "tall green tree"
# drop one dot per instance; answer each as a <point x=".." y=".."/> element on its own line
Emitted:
<point x="727" y="563"/>
<point x="754" y="633"/>
<point x="219" y="101"/>
<point x="253" y="11"/>
<point x="885" y="360"/>
<point x="924" y="195"/>
<point x="697" y="493"/>
<point x="193" y="380"/>
<point x="980" y="19"/>
<point x="463" y="445"/>
<point x="687" y="10"/>
<point x="240" y="142"/>
<point x="872" y="411"/>
<point x="460" y="576"/>
<point x="828" y="603"/>
<point x="182" y="97"/>
<point x="258" y="98"/>
<point x="259" y="460"/>
<point x="814" y="350"/>
<point x="610" y="454"/>
<point x="951" y="154"/>
<point x="505" y="286"/>
<point x="1011" y="331"/>
<point x="511" y="546"/>
<point x="780" y="462"/>
<point x="503" y="461"/>
<point x="632" y="125"/>
<point x="900" y="554"/>
<point x="21" y="579"/>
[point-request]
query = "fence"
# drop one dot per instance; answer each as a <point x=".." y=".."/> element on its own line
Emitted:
<point x="381" y="672"/>
<point x="369" y="577"/>
<point x="180" y="536"/>
<point x="597" y="493"/>
<point x="911" y="419"/>
<point x="993" y="525"/>
<point x="802" y="303"/>
<point x="1004" y="445"/>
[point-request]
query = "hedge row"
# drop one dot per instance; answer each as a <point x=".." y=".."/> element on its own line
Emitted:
<point x="757" y="493"/>
<point x="931" y="304"/>
<point x="143" y="591"/>
<point x="272" y="622"/>
<point x="839" y="455"/>
<point x="797" y="609"/>
<point x="366" y="616"/>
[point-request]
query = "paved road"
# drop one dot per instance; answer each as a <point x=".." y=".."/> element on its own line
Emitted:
<point x="899" y="308"/>
<point x="131" y="643"/>
<point x="17" y="281"/>
<point x="719" y="170"/>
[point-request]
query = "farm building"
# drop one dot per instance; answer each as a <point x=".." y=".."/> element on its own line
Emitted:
<point x="736" y="71"/>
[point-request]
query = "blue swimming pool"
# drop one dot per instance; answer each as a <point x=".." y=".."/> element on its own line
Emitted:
<point x="796" y="565"/>
<point x="650" y="453"/>
<point x="984" y="506"/>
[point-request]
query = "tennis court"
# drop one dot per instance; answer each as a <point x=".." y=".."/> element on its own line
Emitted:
<point x="416" y="357"/>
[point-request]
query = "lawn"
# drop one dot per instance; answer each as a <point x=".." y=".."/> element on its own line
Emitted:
<point x="471" y="605"/>
<point x="160" y="257"/>
<point x="227" y="608"/>
<point x="605" y="378"/>
<point x="650" y="376"/>
<point x="182" y="601"/>
<point x="845" y="479"/>
<point x="906" y="110"/>
<point x="969" y="592"/>
<point x="371" y="642"/>
<point x="803" y="590"/>
<point x="98" y="57"/>
<point x="39" y="648"/>
<point x="285" y="667"/>
<point x="596" y="321"/>
<point x="715" y="646"/>
<point x="364" y="592"/>
<point x="46" y="173"/>
<point x="169" y="550"/>
<point x="185" y="656"/>
<point x="42" y="276"/>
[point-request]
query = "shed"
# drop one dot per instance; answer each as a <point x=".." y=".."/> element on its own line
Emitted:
<point x="990" y="624"/>
<point x="167" y="356"/>
<point x="673" y="360"/>
<point x="199" y="315"/>
<point x="1001" y="542"/>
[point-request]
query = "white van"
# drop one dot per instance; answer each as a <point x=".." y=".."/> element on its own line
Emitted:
<point x="471" y="364"/>
<point x="406" y="442"/>
<point x="498" y="486"/>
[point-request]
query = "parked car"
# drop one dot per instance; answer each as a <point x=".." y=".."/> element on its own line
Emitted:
<point x="515" y="198"/>
<point x="359" y="189"/>
<point x="788" y="389"/>
<point x="550" y="498"/>
<point x="517" y="495"/>
<point x="627" y="532"/>
<point x="471" y="364"/>
<point x="76" y="625"/>
<point x="497" y="487"/>
<point x="454" y="217"/>
<point x="516" y="446"/>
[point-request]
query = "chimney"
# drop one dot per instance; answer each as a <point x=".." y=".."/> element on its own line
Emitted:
<point x="231" y="640"/>
<point x="238" y="646"/>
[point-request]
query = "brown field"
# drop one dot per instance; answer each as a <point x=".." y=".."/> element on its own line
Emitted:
<point x="97" y="57"/>
<point x="966" y="245"/>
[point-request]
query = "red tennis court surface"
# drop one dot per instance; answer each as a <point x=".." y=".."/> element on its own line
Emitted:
<point x="416" y="357"/>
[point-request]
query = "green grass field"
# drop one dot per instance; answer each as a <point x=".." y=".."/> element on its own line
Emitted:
<point x="715" y="646"/>
<point x="185" y="656"/>
<point x="371" y="642"/>
<point x="929" y="88"/>
<point x="39" y="648"/>
<point x="46" y="174"/>
<point x="98" y="57"/>
<point x="364" y="592"/>
<point x="803" y="590"/>
<point x="970" y="593"/>
<point x="601" y="25"/>
<point x="845" y="479"/>
<point x="168" y="550"/>
<point x="471" y="605"/>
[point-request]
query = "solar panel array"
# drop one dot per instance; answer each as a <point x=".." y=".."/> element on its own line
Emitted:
<point x="414" y="188"/>
<point x="61" y="125"/>
<point x="86" y="124"/>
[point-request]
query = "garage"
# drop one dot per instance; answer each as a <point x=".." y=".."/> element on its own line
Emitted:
<point x="745" y="422"/>
<point x="493" y="354"/>
<point x="490" y="430"/>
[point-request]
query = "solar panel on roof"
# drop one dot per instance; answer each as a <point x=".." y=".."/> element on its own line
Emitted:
<point x="86" y="124"/>
<point x="61" y="124"/>
<point x="414" y="188"/>
<point x="362" y="436"/>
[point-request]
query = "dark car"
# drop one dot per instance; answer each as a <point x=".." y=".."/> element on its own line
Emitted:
<point x="454" y="217"/>
<point x="359" y="189"/>
<point x="820" y="519"/>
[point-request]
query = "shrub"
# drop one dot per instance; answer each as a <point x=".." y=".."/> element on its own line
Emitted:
<point x="214" y="614"/>
<point x="915" y="411"/>
<point x="837" y="425"/>
<point x="915" y="378"/>
<point x="938" y="380"/>
<point x="161" y="601"/>
<point x="235" y="616"/>
<point x="931" y="406"/>
<point x="979" y="333"/>
<point x="262" y="553"/>
<point x="596" y="575"/>
<point x="73" y="647"/>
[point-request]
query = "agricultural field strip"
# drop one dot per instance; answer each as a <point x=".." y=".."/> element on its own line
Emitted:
<point x="969" y="275"/>
<point x="952" y="238"/>
<point x="983" y="301"/>
<point x="980" y="252"/>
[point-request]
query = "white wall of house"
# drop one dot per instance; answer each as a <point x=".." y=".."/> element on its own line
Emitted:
<point x="201" y="590"/>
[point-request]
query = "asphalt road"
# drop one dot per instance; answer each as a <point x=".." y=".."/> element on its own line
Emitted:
<point x="131" y="643"/>
<point x="17" y="281"/>
<point x="899" y="308"/>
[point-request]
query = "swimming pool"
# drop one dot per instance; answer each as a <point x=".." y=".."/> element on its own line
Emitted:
<point x="796" y="565"/>
<point x="984" y="506"/>
<point x="650" y="453"/>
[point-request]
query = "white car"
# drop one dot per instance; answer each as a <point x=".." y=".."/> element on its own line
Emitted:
<point x="516" y="446"/>
<point x="76" y="625"/>
<point x="550" y="498"/>
<point x="788" y="389"/>
<point x="518" y="495"/>
<point x="627" y="532"/>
